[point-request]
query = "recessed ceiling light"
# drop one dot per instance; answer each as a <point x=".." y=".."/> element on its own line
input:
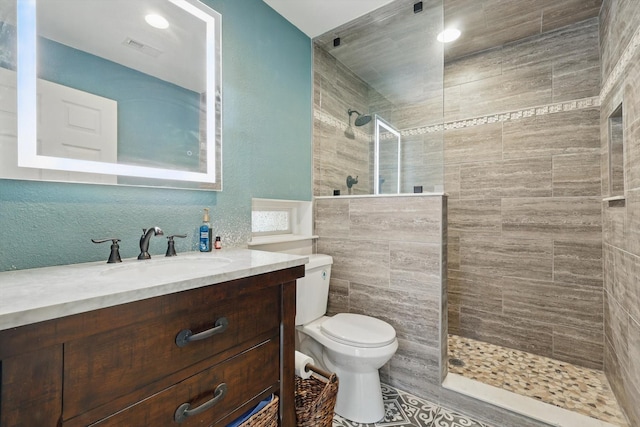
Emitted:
<point x="449" y="35"/>
<point x="157" y="21"/>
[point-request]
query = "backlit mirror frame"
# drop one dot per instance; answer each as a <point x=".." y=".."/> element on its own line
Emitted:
<point x="27" y="105"/>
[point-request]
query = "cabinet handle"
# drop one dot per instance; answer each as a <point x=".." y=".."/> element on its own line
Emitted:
<point x="185" y="336"/>
<point x="183" y="412"/>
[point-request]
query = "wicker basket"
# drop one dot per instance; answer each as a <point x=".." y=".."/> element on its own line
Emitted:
<point x="266" y="417"/>
<point x="315" y="401"/>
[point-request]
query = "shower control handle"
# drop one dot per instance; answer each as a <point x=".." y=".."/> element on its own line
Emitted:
<point x="351" y="181"/>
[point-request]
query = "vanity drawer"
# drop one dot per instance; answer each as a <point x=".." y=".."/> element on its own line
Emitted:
<point x="245" y="376"/>
<point x="103" y="367"/>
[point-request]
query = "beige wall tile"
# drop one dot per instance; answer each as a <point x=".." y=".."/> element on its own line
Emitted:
<point x="409" y="219"/>
<point x="578" y="262"/>
<point x="473" y="144"/>
<point x="360" y="261"/>
<point x="614" y="225"/>
<point x="626" y="285"/>
<point x="481" y="292"/>
<point x="554" y="16"/>
<point x="508" y="331"/>
<point x="632" y="159"/>
<point x="553" y="303"/>
<point x="415" y="267"/>
<point x="332" y="217"/>
<point x="584" y="347"/>
<point x="631" y="222"/>
<point x="452" y="180"/>
<point x="568" y="132"/>
<point x="577" y="84"/>
<point x="578" y="218"/>
<point x="453" y="250"/>
<point x="616" y="330"/>
<point x="520" y="88"/>
<point x="509" y="178"/>
<point x="415" y="367"/>
<point x="338" y="296"/>
<point x="474" y="67"/>
<point x="499" y="257"/>
<point x="576" y="175"/>
<point x="572" y="48"/>
<point x="477" y="216"/>
<point x="634" y="352"/>
<point x="414" y="315"/>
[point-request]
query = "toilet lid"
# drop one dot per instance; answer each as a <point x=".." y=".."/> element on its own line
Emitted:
<point x="358" y="330"/>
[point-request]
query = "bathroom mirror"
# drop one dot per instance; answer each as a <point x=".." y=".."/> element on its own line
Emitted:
<point x="102" y="96"/>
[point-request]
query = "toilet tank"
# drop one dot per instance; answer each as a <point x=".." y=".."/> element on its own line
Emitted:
<point x="312" y="290"/>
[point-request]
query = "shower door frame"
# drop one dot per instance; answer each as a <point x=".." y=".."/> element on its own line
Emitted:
<point x="376" y="179"/>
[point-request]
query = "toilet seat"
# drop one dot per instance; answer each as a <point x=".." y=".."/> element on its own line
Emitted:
<point x="358" y="330"/>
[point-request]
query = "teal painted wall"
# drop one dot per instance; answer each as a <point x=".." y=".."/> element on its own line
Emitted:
<point x="267" y="86"/>
<point x="154" y="116"/>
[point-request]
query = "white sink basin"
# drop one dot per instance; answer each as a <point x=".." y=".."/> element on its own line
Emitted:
<point x="172" y="266"/>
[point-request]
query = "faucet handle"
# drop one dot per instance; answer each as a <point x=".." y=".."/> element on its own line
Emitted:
<point x="171" y="249"/>
<point x="114" y="256"/>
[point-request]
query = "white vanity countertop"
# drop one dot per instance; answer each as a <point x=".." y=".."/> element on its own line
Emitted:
<point x="35" y="295"/>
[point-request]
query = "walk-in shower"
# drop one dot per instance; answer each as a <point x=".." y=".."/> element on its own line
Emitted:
<point x="511" y="145"/>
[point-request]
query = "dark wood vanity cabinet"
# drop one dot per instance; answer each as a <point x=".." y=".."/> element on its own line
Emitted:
<point x="122" y="366"/>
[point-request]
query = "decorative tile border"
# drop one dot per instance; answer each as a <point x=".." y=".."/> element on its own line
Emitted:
<point x="542" y="110"/>
<point x="330" y="120"/>
<point x="621" y="66"/>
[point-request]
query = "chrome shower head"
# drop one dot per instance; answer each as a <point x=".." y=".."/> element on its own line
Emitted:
<point x="361" y="120"/>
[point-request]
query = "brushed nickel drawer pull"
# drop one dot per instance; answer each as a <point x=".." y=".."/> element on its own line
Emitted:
<point x="183" y="412"/>
<point x="185" y="336"/>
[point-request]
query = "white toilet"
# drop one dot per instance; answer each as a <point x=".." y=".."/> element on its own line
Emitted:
<point x="351" y="345"/>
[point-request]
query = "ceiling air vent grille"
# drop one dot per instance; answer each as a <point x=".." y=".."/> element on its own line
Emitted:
<point x="141" y="47"/>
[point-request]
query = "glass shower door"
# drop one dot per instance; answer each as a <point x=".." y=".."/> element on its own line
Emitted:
<point x="387" y="158"/>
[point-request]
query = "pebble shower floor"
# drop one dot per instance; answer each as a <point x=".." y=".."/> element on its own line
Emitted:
<point x="562" y="384"/>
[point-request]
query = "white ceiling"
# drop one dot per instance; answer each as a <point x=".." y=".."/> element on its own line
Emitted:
<point x="315" y="17"/>
<point x="102" y="27"/>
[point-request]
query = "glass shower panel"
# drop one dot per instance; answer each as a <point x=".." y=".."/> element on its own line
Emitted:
<point x="388" y="148"/>
<point x="387" y="63"/>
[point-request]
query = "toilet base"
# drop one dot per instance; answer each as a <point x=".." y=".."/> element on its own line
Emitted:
<point x="359" y="395"/>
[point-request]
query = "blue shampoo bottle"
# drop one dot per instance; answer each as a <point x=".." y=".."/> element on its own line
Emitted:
<point x="205" y="233"/>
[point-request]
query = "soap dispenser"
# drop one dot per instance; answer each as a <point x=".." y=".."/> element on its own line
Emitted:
<point x="205" y="233"/>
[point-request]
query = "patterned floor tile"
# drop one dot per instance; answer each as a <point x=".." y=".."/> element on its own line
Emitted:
<point x="405" y="410"/>
<point x="446" y="418"/>
<point x="568" y="386"/>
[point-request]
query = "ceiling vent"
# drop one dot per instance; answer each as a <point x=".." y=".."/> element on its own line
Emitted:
<point x="141" y="47"/>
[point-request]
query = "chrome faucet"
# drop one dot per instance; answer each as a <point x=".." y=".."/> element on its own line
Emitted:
<point x="144" y="241"/>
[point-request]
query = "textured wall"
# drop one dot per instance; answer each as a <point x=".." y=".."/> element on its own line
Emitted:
<point x="388" y="256"/>
<point x="620" y="50"/>
<point x="266" y="123"/>
<point x="522" y="170"/>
